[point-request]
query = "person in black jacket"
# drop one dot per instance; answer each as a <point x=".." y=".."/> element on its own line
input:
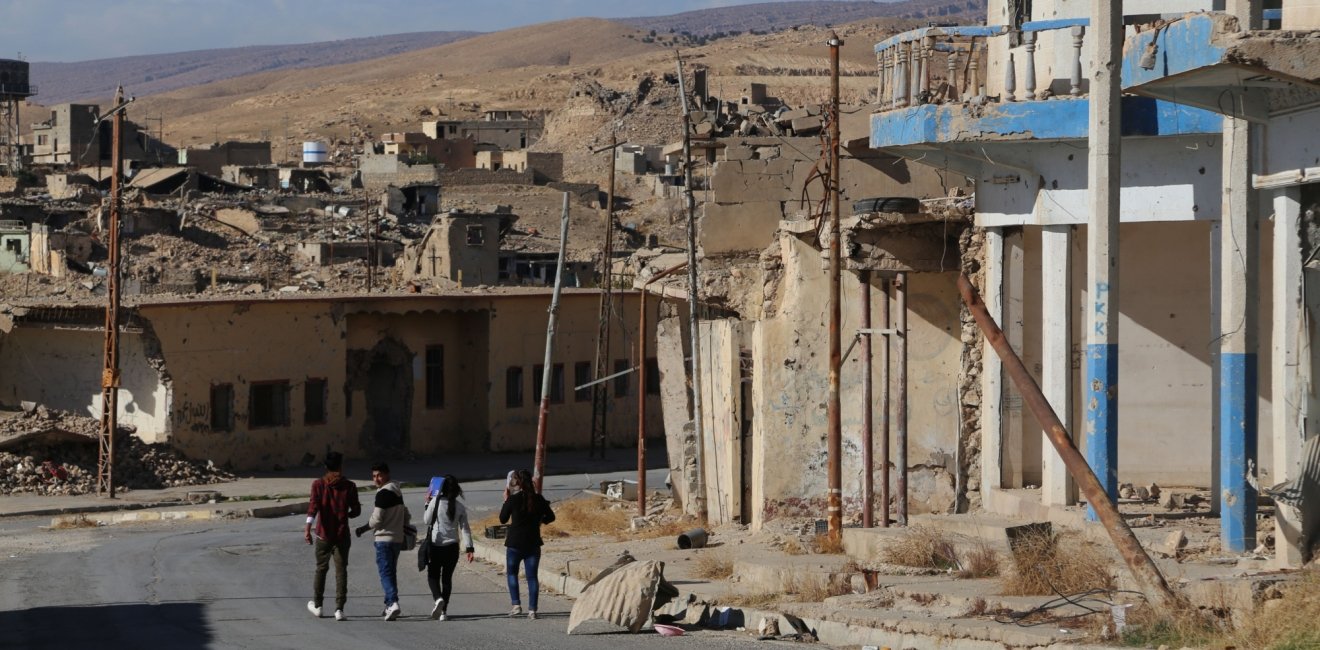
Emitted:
<point x="524" y="510"/>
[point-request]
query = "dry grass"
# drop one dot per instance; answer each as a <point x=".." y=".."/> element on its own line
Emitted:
<point x="793" y="547"/>
<point x="826" y="545"/>
<point x="814" y="588"/>
<point x="81" y="521"/>
<point x="588" y="516"/>
<point x="752" y="599"/>
<point x="923" y="547"/>
<point x="1044" y="564"/>
<point x="1287" y="623"/>
<point x="981" y="562"/>
<point x="712" y="565"/>
<point x="672" y="528"/>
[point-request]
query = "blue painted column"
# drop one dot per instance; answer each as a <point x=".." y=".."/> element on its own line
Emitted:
<point x="1238" y="316"/>
<point x="1100" y="395"/>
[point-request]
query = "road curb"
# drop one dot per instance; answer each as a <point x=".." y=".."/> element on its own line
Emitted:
<point x="112" y="518"/>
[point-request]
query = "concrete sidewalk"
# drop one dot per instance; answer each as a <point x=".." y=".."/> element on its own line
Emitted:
<point x="273" y="488"/>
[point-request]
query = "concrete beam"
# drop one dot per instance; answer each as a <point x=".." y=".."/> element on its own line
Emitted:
<point x="992" y="380"/>
<point x="1057" y="488"/>
<point x="1238" y="304"/>
<point x="1290" y="373"/>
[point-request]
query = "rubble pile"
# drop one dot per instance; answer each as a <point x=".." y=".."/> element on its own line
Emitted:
<point x="57" y="455"/>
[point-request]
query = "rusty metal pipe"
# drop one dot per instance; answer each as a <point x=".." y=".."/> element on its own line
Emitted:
<point x="884" y="406"/>
<point x="900" y="288"/>
<point x="835" y="442"/>
<point x="105" y="475"/>
<point x="868" y="462"/>
<point x="1143" y="569"/>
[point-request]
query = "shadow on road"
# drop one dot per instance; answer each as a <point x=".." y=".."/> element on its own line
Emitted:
<point x="173" y="625"/>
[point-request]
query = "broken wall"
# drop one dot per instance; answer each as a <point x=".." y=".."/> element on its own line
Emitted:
<point x="790" y="385"/>
<point x="61" y="368"/>
<point x="761" y="181"/>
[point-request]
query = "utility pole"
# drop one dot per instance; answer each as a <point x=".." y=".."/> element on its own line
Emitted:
<point x="599" y="392"/>
<point x="544" y="414"/>
<point x="105" y="465"/>
<point x="835" y="441"/>
<point x="703" y="512"/>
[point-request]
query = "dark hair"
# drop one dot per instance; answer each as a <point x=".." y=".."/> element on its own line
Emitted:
<point x="382" y="467"/>
<point x="528" y="488"/>
<point x="451" y="490"/>
<point x="334" y="461"/>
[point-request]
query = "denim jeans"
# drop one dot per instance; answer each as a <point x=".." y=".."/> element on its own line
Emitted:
<point x="532" y="561"/>
<point x="387" y="562"/>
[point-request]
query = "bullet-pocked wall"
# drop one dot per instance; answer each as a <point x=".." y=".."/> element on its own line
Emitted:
<point x="790" y="387"/>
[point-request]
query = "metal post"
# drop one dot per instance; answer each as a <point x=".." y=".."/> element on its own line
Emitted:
<point x="697" y="424"/>
<point x="599" y="393"/>
<point x="105" y="483"/>
<point x="900" y="289"/>
<point x="547" y="370"/>
<point x="884" y="405"/>
<point x="1145" y="572"/>
<point x="868" y="463"/>
<point x="1101" y="325"/>
<point x="835" y="441"/>
<point x="641" y="405"/>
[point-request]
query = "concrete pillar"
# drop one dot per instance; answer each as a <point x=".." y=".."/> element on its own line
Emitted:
<point x="1101" y="390"/>
<point x="1216" y="252"/>
<point x="992" y="370"/>
<point x="1057" y="488"/>
<point x="1290" y="367"/>
<point x="1238" y="307"/>
<point x="1012" y="445"/>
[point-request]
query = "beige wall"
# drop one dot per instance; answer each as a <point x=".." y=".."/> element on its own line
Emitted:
<point x="517" y="332"/>
<point x="1165" y="352"/>
<point x="244" y="343"/>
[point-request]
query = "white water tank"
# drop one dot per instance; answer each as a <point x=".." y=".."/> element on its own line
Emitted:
<point x="316" y="152"/>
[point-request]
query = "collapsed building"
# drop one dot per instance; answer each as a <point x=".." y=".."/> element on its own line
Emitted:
<point x="1001" y="112"/>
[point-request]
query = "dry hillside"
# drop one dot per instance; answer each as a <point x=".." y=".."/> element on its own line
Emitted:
<point x="776" y="16"/>
<point x="159" y="73"/>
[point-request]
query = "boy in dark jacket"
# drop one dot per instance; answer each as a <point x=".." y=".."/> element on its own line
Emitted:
<point x="333" y="502"/>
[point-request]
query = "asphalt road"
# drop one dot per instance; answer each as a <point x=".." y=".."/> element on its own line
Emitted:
<point x="245" y="583"/>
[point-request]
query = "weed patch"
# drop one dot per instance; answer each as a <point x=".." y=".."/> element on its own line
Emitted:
<point x="1044" y="564"/>
<point x="712" y="565"/>
<point x="924" y="548"/>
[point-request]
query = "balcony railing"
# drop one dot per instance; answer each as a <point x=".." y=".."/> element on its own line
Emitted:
<point x="949" y="64"/>
<point x="18" y="90"/>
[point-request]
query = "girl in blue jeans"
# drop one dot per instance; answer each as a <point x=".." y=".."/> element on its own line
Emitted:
<point x="525" y="511"/>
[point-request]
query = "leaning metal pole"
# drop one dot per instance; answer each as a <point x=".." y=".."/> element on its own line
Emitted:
<point x="1143" y="569"/>
<point x="835" y="431"/>
<point x="693" y="323"/>
<point x="105" y="482"/>
<point x="546" y="372"/>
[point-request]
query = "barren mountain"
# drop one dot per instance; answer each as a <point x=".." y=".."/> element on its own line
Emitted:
<point x="775" y="16"/>
<point x="158" y="73"/>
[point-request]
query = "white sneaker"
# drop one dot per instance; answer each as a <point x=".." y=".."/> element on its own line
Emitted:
<point x="531" y="615"/>
<point x="339" y="615"/>
<point x="311" y="607"/>
<point x="516" y="611"/>
<point x="439" y="608"/>
<point x="392" y="612"/>
<point x="443" y="616"/>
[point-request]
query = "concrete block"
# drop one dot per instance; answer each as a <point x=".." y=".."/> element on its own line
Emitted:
<point x="806" y="125"/>
<point x="739" y="153"/>
<point x="739" y="227"/>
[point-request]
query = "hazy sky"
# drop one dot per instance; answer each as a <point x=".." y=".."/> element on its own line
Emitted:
<point x="76" y="30"/>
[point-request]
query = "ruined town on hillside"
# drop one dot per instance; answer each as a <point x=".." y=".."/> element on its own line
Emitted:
<point x="993" y="332"/>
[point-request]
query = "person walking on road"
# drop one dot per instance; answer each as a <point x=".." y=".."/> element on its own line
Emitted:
<point x="388" y="519"/>
<point x="447" y="523"/>
<point x="527" y="510"/>
<point x="333" y="502"/>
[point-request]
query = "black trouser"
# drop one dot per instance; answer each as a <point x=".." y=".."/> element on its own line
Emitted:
<point x="440" y="570"/>
<point x="324" y="552"/>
